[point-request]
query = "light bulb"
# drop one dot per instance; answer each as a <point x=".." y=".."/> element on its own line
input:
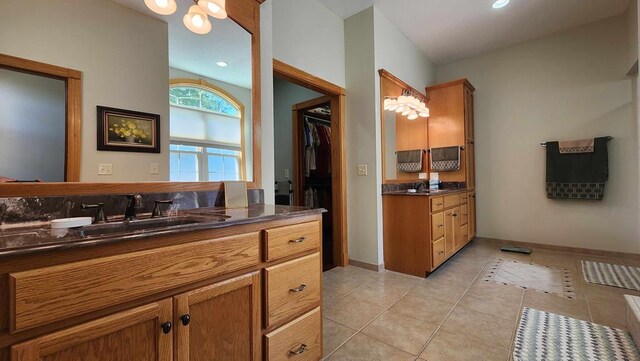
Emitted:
<point x="214" y="8"/>
<point x="196" y="20"/>
<point x="162" y="7"/>
<point x="424" y="113"/>
<point x="402" y="99"/>
<point x="406" y="111"/>
<point x="400" y="108"/>
<point x="500" y="4"/>
<point x="413" y="115"/>
<point x="387" y="104"/>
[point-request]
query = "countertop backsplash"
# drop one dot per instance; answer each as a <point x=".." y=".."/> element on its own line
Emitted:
<point x="42" y="209"/>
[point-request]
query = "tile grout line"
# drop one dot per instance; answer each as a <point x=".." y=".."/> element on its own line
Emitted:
<point x="433" y="335"/>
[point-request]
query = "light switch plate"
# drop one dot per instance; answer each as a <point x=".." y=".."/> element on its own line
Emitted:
<point x="105" y="169"/>
<point x="153" y="168"/>
<point x="286" y="173"/>
<point x="422" y="176"/>
<point x="362" y="169"/>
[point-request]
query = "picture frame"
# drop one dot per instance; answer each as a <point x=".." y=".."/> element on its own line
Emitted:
<point x="122" y="130"/>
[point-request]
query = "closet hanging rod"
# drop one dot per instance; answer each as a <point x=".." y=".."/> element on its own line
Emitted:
<point x="317" y="119"/>
<point x="544" y="144"/>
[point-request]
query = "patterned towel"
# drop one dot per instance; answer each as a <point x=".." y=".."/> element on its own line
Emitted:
<point x="577" y="146"/>
<point x="409" y="161"/>
<point x="611" y="275"/>
<point x="445" y="159"/>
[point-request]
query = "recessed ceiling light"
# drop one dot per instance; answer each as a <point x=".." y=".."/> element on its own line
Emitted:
<point x="500" y="4"/>
<point x="222" y="64"/>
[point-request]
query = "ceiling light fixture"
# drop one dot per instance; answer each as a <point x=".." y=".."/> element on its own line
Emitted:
<point x="409" y="104"/>
<point x="500" y="4"/>
<point x="197" y="18"/>
<point x="222" y="64"/>
<point x="162" y="7"/>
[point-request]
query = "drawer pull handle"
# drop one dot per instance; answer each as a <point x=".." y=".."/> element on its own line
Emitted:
<point x="166" y="327"/>
<point x="438" y="204"/>
<point x="186" y="319"/>
<point x="298" y="289"/>
<point x="441" y="252"/>
<point x="299" y="350"/>
<point x="299" y="240"/>
<point x="440" y="225"/>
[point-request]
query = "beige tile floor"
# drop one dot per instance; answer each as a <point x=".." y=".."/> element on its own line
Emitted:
<point x="453" y="314"/>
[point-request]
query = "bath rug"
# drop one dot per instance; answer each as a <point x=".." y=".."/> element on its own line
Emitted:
<point x="547" y="336"/>
<point x="611" y="275"/>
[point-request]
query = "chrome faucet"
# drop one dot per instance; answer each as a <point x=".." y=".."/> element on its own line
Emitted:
<point x="133" y="201"/>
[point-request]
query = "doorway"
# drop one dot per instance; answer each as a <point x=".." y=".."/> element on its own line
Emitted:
<point x="302" y="102"/>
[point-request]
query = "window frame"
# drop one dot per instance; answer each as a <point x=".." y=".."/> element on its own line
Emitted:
<point x="204" y="85"/>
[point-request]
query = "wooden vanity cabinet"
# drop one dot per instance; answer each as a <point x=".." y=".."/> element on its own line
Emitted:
<point x="219" y="322"/>
<point x="141" y="333"/>
<point x="199" y="296"/>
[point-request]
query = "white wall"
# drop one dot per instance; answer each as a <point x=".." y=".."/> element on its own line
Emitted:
<point x="310" y="37"/>
<point x="285" y="95"/>
<point x="32" y="127"/>
<point x="122" y="55"/>
<point x="570" y="85"/>
<point x="243" y="95"/>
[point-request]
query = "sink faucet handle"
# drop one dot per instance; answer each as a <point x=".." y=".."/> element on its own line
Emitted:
<point x="100" y="217"/>
<point x="157" y="212"/>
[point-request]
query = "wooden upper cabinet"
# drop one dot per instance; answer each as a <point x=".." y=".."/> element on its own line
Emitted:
<point x="452" y="124"/>
<point x="219" y="322"/>
<point x="143" y="334"/>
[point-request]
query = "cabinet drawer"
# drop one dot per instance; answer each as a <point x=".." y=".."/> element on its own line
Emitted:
<point x="437" y="251"/>
<point x="463" y="198"/>
<point x="437" y="204"/>
<point x="437" y="226"/>
<point x="451" y="201"/>
<point x="302" y="336"/>
<point x="50" y="294"/>
<point x="464" y="214"/>
<point x="290" y="240"/>
<point x="292" y="288"/>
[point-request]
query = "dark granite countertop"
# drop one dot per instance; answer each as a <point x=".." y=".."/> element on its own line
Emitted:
<point x="432" y="192"/>
<point x="36" y="238"/>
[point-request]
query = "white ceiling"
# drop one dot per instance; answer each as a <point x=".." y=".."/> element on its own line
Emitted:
<point x="451" y="30"/>
<point x="198" y="54"/>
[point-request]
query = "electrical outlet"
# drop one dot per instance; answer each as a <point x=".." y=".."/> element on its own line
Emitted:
<point x="105" y="169"/>
<point x="153" y="168"/>
<point x="286" y="173"/>
<point x="362" y="169"/>
<point x="422" y="176"/>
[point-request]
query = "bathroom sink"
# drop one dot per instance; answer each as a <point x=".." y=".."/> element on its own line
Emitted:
<point x="142" y="225"/>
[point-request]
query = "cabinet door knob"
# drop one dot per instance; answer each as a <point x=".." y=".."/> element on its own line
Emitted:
<point x="455" y="214"/>
<point x="166" y="327"/>
<point x="186" y="319"/>
<point x="299" y="240"/>
<point x="299" y="350"/>
<point x="298" y="289"/>
<point x="440" y="225"/>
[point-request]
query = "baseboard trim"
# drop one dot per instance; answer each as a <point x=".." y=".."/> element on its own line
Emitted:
<point x="552" y="247"/>
<point x="365" y="265"/>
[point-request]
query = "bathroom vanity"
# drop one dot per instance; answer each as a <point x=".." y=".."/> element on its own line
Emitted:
<point x="207" y="284"/>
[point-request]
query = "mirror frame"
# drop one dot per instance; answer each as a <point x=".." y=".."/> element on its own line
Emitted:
<point x="245" y="13"/>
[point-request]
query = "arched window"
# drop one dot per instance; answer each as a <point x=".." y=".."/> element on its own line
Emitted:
<point x="206" y="133"/>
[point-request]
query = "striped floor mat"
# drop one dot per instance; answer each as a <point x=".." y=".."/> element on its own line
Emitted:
<point x="544" y="336"/>
<point x="612" y="275"/>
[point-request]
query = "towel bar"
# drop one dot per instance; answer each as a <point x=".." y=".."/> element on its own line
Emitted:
<point x="544" y="144"/>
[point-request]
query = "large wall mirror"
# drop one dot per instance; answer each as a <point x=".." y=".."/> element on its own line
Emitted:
<point x="401" y="134"/>
<point x="120" y="54"/>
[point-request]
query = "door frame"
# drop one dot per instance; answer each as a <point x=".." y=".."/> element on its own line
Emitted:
<point x="337" y="98"/>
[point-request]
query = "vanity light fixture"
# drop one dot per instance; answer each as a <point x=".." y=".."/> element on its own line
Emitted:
<point x="500" y="4"/>
<point x="409" y="104"/>
<point x="197" y="18"/>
